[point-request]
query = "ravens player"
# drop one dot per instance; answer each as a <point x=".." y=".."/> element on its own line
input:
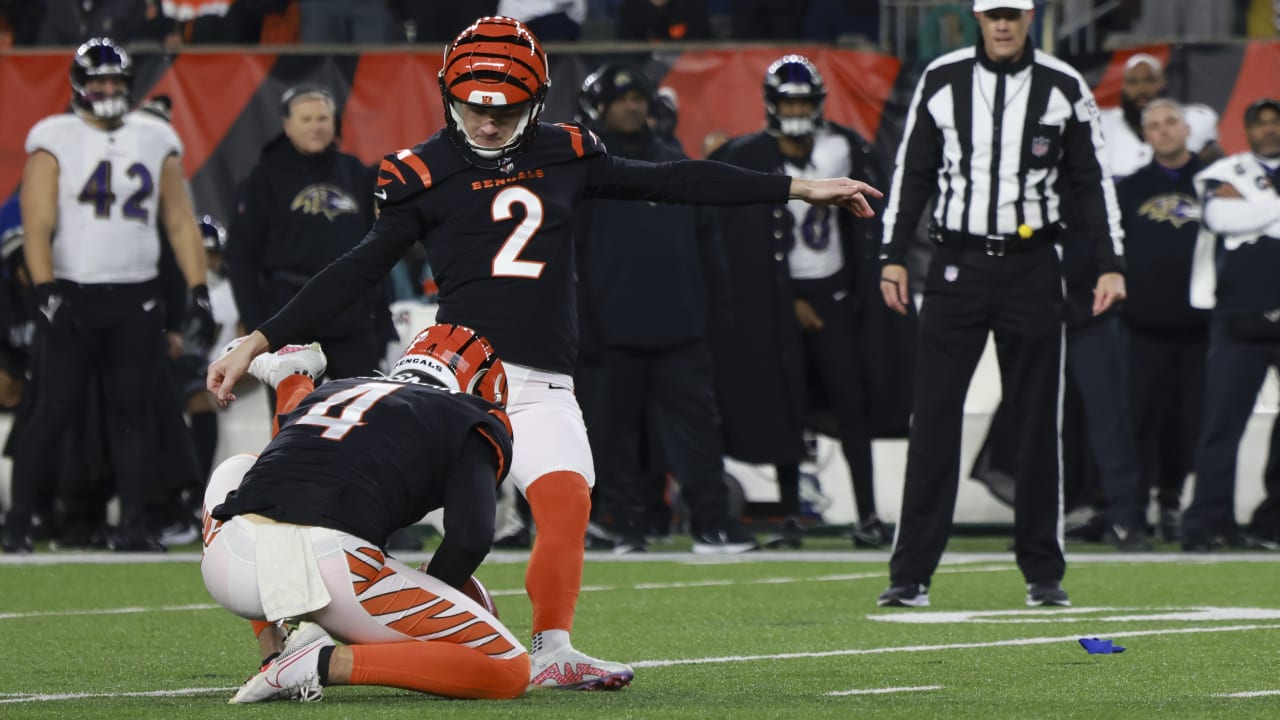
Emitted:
<point x="96" y="186"/>
<point x="300" y="531"/>
<point x="491" y="199"/>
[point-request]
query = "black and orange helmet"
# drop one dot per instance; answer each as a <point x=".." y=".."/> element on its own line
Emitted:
<point x="457" y="358"/>
<point x="495" y="62"/>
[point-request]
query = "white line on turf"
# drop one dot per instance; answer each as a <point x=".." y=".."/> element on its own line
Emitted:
<point x="41" y="697"/>
<point x="1249" y="694"/>
<point x="32" y="697"/>
<point x="884" y="691"/>
<point x="106" y="611"/>
<point x="520" y="591"/>
<point x="1016" y="642"/>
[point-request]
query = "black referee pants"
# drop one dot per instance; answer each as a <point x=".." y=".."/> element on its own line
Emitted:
<point x="113" y="330"/>
<point x="967" y="295"/>
<point x="1234" y="373"/>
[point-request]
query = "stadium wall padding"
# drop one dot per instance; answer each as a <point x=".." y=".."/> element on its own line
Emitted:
<point x="226" y="105"/>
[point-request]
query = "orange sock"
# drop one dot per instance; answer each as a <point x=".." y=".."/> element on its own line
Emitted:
<point x="259" y="626"/>
<point x="440" y="668"/>
<point x="289" y="393"/>
<point x="561" y="505"/>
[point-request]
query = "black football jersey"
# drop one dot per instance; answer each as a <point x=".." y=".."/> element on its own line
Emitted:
<point x="500" y="241"/>
<point x="368" y="456"/>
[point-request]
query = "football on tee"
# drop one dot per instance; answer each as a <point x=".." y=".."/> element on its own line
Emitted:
<point x="477" y="591"/>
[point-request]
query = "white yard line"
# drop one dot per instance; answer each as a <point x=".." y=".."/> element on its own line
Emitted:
<point x="883" y="691"/>
<point x="1016" y="642"/>
<point x="1249" y="694"/>
<point x="34" y="697"/>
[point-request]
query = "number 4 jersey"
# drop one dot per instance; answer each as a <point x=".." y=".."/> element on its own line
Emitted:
<point x="500" y="241"/>
<point x="368" y="456"/>
<point x="108" y="195"/>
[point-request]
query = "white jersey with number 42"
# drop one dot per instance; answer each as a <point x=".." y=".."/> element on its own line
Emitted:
<point x="108" y="195"/>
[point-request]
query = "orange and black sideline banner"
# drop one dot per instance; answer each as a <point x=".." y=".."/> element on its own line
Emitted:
<point x="226" y="106"/>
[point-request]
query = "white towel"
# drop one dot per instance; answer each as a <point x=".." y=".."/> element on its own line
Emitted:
<point x="289" y="580"/>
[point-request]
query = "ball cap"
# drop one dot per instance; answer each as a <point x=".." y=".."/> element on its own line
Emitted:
<point x="985" y="5"/>
<point x="1257" y="106"/>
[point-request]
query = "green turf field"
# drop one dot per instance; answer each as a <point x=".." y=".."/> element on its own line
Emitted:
<point x="775" y="635"/>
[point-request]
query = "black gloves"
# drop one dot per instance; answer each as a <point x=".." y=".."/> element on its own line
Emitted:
<point x="198" y="326"/>
<point x="51" y="306"/>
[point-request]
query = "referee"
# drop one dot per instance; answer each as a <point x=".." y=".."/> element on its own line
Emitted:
<point x="991" y="130"/>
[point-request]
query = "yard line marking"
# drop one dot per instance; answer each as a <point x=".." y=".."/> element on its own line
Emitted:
<point x="107" y="611"/>
<point x="1017" y="642"/>
<point x="883" y="691"/>
<point x="1249" y="694"/>
<point x="34" y="697"/>
<point x="680" y="585"/>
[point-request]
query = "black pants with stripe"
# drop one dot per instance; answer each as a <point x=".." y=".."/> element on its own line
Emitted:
<point x="106" y="332"/>
<point x="967" y="295"/>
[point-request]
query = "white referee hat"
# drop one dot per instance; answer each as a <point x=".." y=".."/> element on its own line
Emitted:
<point x="985" y="5"/>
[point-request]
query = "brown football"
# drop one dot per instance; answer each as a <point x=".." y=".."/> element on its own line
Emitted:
<point x="476" y="590"/>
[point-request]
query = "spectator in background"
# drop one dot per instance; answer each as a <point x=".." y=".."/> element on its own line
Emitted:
<point x="945" y="27"/>
<point x="665" y="115"/>
<point x="364" y="22"/>
<point x="1185" y="19"/>
<point x="1168" y="339"/>
<point x="651" y="358"/>
<point x="663" y="20"/>
<point x="20" y="22"/>
<point x="550" y="20"/>
<point x="1235" y="269"/>
<point x="304" y="204"/>
<point x="1262" y="18"/>
<point x="71" y="22"/>
<point x="837" y="20"/>
<point x="1126" y="150"/>
<point x="96" y="286"/>
<point x="437" y="22"/>
<point x="798" y="275"/>
<point x="768" y="19"/>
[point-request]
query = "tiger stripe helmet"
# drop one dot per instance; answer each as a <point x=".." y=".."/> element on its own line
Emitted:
<point x="457" y="358"/>
<point x="496" y="61"/>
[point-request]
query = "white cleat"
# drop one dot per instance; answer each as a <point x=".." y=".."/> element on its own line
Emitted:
<point x="272" y="368"/>
<point x="568" y="669"/>
<point x="295" y="673"/>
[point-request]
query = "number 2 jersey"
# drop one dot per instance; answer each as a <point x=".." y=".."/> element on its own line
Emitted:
<point x="108" y="195"/>
<point x="500" y="241"/>
<point x="369" y="456"/>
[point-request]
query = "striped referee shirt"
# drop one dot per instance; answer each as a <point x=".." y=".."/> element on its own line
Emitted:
<point x="995" y="143"/>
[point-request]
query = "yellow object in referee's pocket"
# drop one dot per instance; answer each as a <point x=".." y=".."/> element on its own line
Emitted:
<point x="1025" y="231"/>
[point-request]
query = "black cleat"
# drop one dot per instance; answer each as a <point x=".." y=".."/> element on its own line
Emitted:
<point x="912" y="595"/>
<point x="1047" y="594"/>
